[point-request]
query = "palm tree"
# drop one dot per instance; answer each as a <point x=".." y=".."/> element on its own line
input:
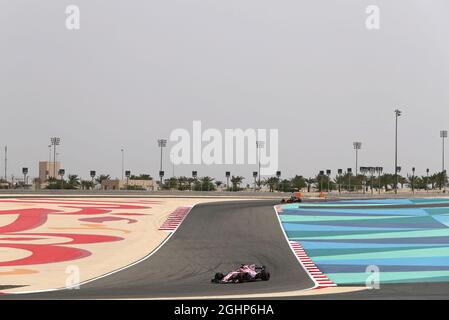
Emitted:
<point x="53" y="183"/>
<point x="323" y="181"/>
<point x="190" y="181"/>
<point x="286" y="185"/>
<point x="298" y="182"/>
<point x="171" y="183"/>
<point x="145" y="177"/>
<point x="433" y="179"/>
<point x="271" y="182"/>
<point x="411" y="180"/>
<point x="310" y="182"/>
<point x="236" y="181"/>
<point x="183" y="183"/>
<point x="387" y="180"/>
<point x="73" y="182"/>
<point x="102" y="177"/>
<point x="440" y="179"/>
<point x="87" y="184"/>
<point x="420" y="183"/>
<point x="402" y="180"/>
<point x="206" y="184"/>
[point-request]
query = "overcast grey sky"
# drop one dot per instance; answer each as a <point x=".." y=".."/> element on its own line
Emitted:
<point x="136" y="70"/>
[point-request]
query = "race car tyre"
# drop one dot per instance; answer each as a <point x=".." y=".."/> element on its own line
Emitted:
<point x="265" y="275"/>
<point x="242" y="277"/>
<point x="219" y="276"/>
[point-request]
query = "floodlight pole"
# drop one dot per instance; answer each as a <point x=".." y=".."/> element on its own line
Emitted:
<point x="172" y="157"/>
<point x="49" y="161"/>
<point x="54" y="160"/>
<point x="321" y="180"/>
<point x="54" y="142"/>
<point x="162" y="143"/>
<point x="340" y="171"/>
<point x="259" y="145"/>
<point x="6" y="163"/>
<point x="123" y="161"/>
<point x="378" y="181"/>
<point x="92" y="175"/>
<point x="255" y="179"/>
<point x="25" y="172"/>
<point x="443" y="134"/>
<point x="397" y="113"/>
<point x="379" y="170"/>
<point x="349" y="180"/>
<point x="161" y="159"/>
<point x="357" y="146"/>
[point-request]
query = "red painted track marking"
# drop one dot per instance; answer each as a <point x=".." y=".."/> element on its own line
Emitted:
<point x="102" y="219"/>
<point x="56" y="251"/>
<point x="74" y="204"/>
<point x="21" y="239"/>
<point x="84" y="201"/>
<point x="175" y="218"/>
<point x="320" y="278"/>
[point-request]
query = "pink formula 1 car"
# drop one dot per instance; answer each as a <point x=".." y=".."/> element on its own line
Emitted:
<point x="244" y="273"/>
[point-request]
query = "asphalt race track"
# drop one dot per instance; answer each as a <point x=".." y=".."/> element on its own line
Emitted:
<point x="213" y="238"/>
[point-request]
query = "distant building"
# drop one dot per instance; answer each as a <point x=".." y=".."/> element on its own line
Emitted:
<point x="48" y="169"/>
<point x="130" y="184"/>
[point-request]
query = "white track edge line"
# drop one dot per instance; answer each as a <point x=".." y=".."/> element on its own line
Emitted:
<point x="293" y="251"/>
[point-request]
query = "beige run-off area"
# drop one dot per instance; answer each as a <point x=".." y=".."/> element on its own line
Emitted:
<point x="136" y="221"/>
